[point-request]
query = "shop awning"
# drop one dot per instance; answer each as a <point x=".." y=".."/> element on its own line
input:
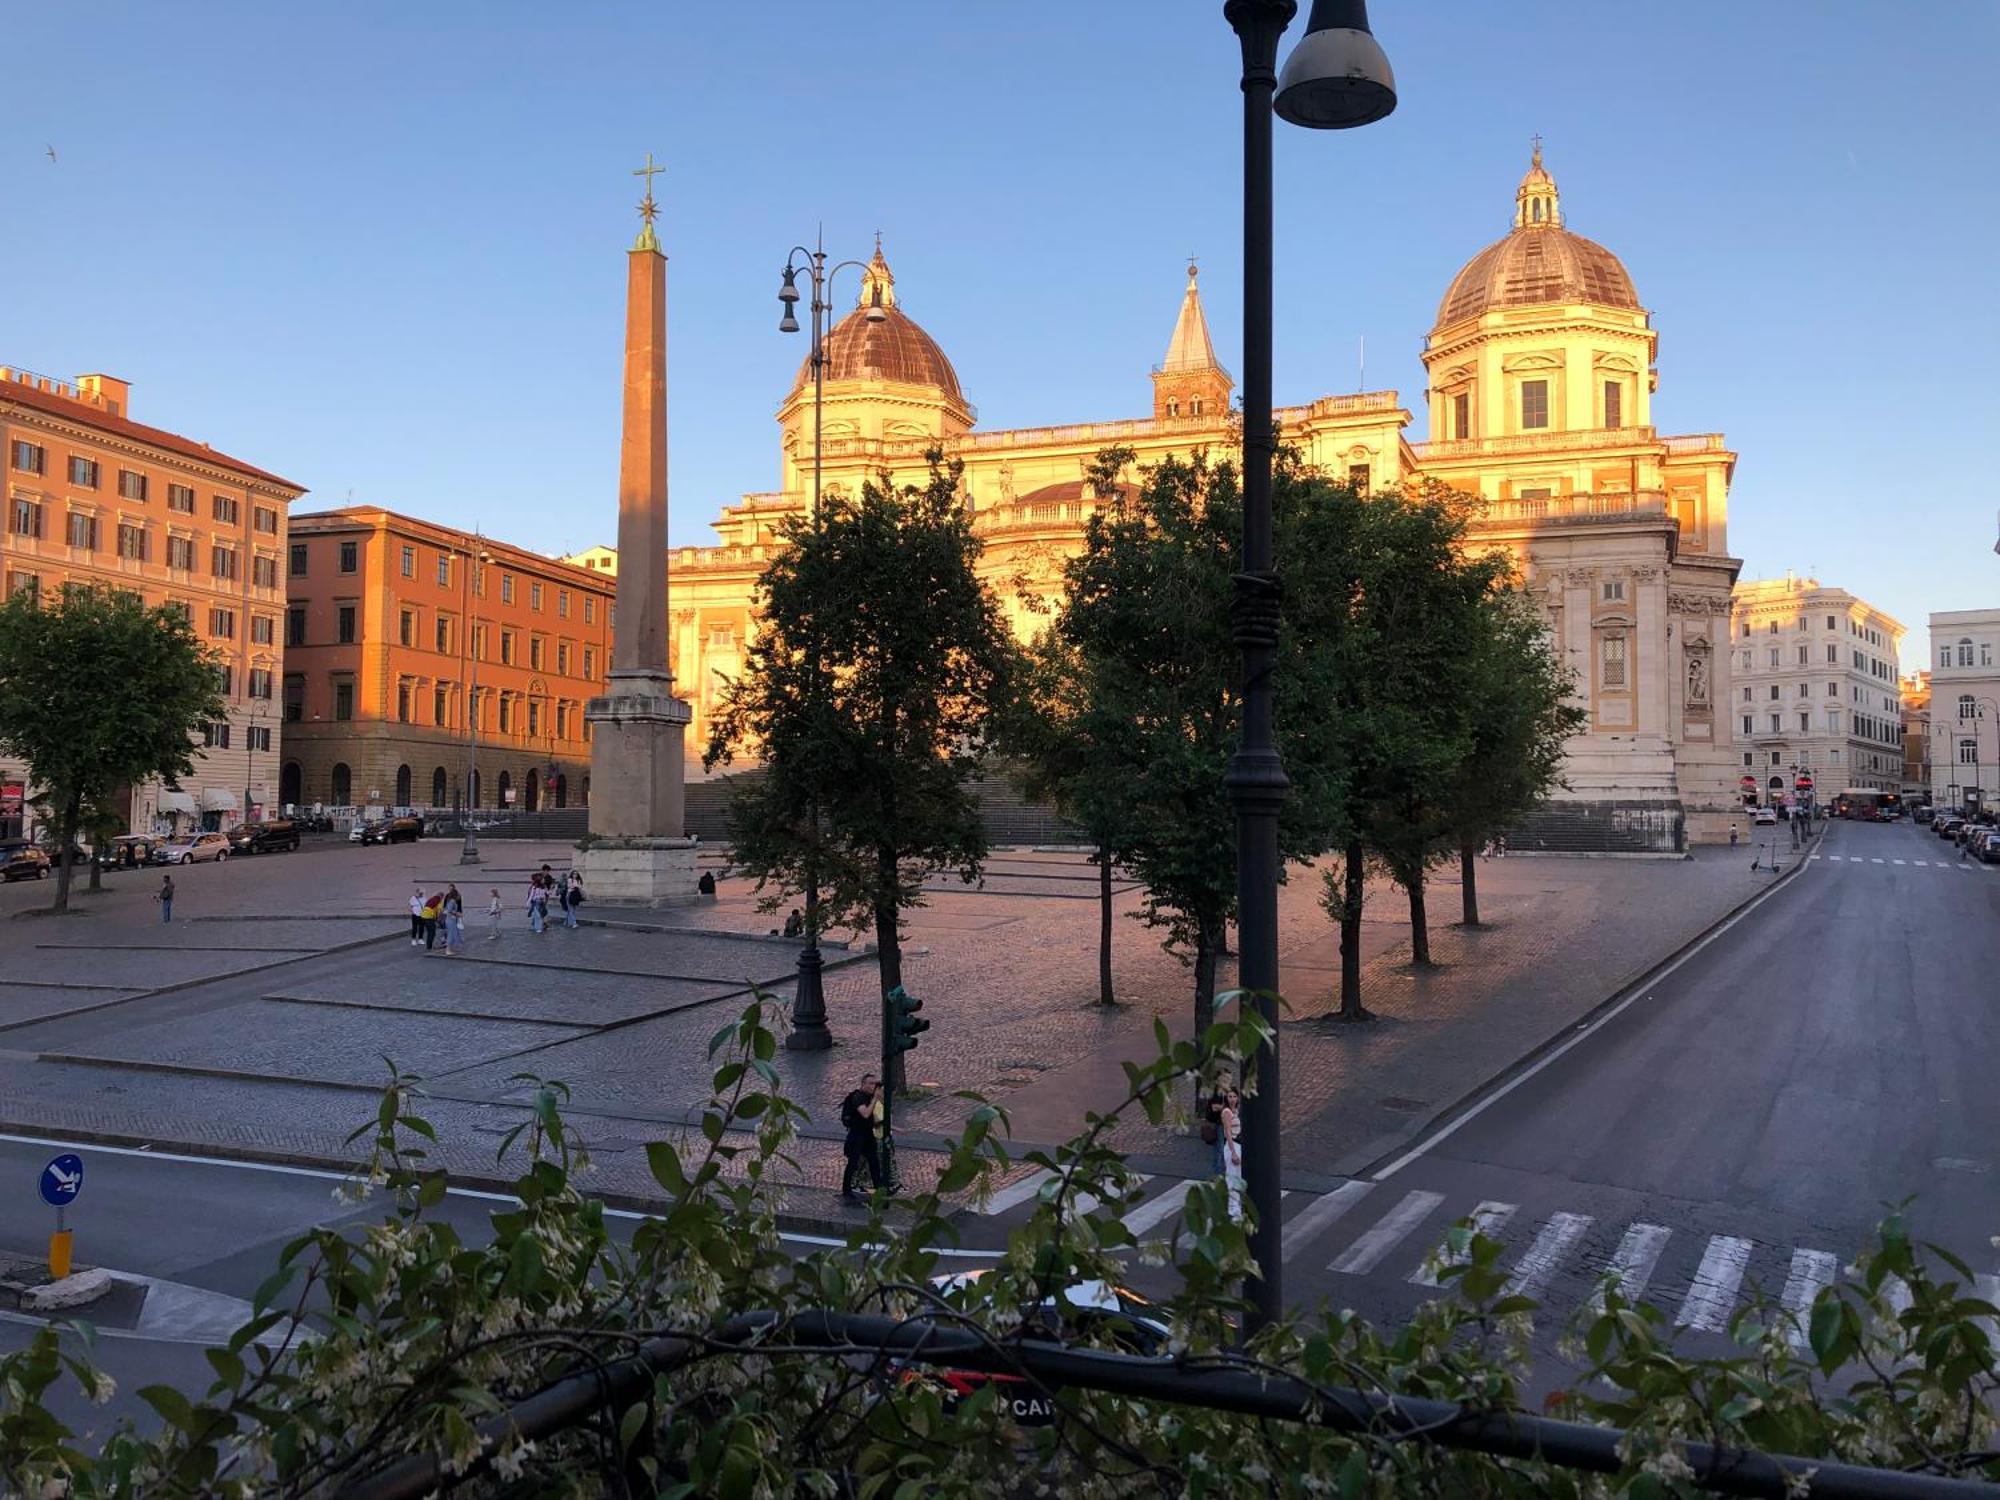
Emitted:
<point x="176" y="802"/>
<point x="217" y="799"/>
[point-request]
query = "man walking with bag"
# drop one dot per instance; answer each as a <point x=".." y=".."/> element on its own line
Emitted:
<point x="859" y="1112"/>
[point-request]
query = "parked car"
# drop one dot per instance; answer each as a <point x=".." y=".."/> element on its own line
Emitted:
<point x="128" y="851"/>
<point x="22" y="861"/>
<point x="1988" y="847"/>
<point x="1093" y="1313"/>
<point x="404" y="830"/>
<point x="1764" y="815"/>
<point x="193" y="849"/>
<point x="262" y="838"/>
<point x="1944" y="824"/>
<point x="1923" y="815"/>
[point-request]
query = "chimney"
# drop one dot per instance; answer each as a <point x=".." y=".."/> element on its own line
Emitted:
<point x="107" y="392"/>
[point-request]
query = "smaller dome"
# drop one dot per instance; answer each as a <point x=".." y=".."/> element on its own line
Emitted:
<point x="879" y="341"/>
<point x="1068" y="490"/>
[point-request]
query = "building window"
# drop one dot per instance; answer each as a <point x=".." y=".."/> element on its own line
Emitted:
<point x="222" y="624"/>
<point x="506" y="714"/>
<point x="344" y="625"/>
<point x="259" y="682"/>
<point x="349" y="556"/>
<point x="1833" y="654"/>
<point x="180" y="497"/>
<point x="297" y="566"/>
<point x="1461" y="415"/>
<point x="534" y="717"/>
<point x="1968" y="706"/>
<point x="131" y="486"/>
<point x="260" y="735"/>
<point x="589" y="664"/>
<point x="443" y="634"/>
<point x="1968" y="752"/>
<point x="562" y="721"/>
<point x="1534" y="404"/>
<point x="83" y="472"/>
<point x="215" y="736"/>
<point x="506" y="588"/>
<point x="264" y="572"/>
<point x="222" y="561"/>
<point x="295" y="625"/>
<point x="1358" y="475"/>
<point x="1775" y="724"/>
<point x="590" y="611"/>
<point x="406" y="633"/>
<point x="131" y="542"/>
<point x="29" y="458"/>
<point x="1746" y="723"/>
<point x="1965" y="653"/>
<point x="1985" y="653"/>
<point x="1773" y="654"/>
<point x="1614" y="592"/>
<point x="1774" y="692"/>
<point x="507" y="648"/>
<point x="1805" y="723"/>
<point x="562" y="657"/>
<point x="535" y="597"/>
<point x="479" y="642"/>
<point x="409" y="562"/>
<point x="1802" y="656"/>
<point x="1614" y="661"/>
<point x="1746" y="695"/>
<point x="535" y="652"/>
<point x="83" y="531"/>
<point x="224" y="509"/>
<point x="1833" y="690"/>
<point x="343" y="700"/>
<point x="1614" y="404"/>
<point x="444" y="570"/>
<point x="264" y="519"/>
<point x="440" y="703"/>
<point x="403" y="702"/>
<point x="180" y="553"/>
<point x="25" y="518"/>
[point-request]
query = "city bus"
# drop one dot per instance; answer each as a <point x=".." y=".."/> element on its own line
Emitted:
<point x="1867" y="804"/>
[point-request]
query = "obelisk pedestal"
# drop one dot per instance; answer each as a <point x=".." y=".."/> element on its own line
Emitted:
<point x="638" y="851"/>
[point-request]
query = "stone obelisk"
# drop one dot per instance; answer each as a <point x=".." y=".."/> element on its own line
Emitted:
<point x="638" y="849"/>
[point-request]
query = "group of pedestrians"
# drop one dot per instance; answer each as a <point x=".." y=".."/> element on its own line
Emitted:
<point x="439" y="914"/>
<point x="545" y="888"/>
<point x="1222" y="1132"/>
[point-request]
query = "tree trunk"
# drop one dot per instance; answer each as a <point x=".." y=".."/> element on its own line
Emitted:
<point x="1206" y="947"/>
<point x="1420" y="925"/>
<point x="1104" y="992"/>
<point x="889" y="960"/>
<point x="1355" y="879"/>
<point x="1468" y="888"/>
<point x="71" y="815"/>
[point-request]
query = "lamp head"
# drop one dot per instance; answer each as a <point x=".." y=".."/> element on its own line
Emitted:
<point x="788" y="296"/>
<point x="875" y="314"/>
<point x="1338" y="76"/>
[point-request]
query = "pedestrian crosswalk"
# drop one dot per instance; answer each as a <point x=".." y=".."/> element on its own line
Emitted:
<point x="1362" y="1229"/>
<point x="1921" y="864"/>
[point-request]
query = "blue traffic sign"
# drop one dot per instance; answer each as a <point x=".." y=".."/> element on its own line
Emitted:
<point x="62" y="1180"/>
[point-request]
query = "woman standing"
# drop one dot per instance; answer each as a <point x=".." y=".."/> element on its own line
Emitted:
<point x="1232" y="1155"/>
<point x="538" y="905"/>
<point x="493" y="915"/>
<point x="572" y="898"/>
<point x="454" y="922"/>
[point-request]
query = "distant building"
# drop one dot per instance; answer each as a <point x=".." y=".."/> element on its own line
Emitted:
<point x="1816" y="687"/>
<point x="1916" y="695"/>
<point x="1965" y="707"/>
<point x="93" y="497"/>
<point x="595" y="560"/>
<point x="391" y="624"/>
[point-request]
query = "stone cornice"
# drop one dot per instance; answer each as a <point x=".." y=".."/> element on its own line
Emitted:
<point x="83" y="432"/>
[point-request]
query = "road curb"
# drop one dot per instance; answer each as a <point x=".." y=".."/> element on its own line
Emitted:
<point x="1380" y="1150"/>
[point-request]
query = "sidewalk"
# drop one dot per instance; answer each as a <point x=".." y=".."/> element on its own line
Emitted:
<point x="257" y="1023"/>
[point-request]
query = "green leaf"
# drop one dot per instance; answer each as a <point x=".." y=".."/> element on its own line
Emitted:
<point x="665" y="1163"/>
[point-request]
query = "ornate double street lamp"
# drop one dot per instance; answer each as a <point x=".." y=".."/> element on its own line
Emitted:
<point x="809" y="1031"/>
<point x="1336" y="78"/>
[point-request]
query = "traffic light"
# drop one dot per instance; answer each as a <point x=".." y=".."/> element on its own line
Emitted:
<point x="905" y="1025"/>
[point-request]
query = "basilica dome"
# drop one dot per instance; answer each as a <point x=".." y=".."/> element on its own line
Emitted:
<point x="879" y="341"/>
<point x="1540" y="262"/>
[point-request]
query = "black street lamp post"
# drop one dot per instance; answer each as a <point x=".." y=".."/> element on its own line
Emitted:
<point x="1335" y="79"/>
<point x="809" y="1031"/>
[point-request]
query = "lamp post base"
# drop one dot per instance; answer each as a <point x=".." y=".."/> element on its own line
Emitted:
<point x="809" y="1031"/>
<point x="469" y="855"/>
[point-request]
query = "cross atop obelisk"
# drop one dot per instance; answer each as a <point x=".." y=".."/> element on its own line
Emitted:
<point x="648" y="209"/>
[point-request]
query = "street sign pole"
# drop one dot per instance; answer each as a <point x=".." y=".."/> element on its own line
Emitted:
<point x="61" y="1181"/>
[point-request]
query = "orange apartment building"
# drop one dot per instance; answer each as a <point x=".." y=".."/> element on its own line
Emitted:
<point x="94" y="497"/>
<point x="393" y="624"/>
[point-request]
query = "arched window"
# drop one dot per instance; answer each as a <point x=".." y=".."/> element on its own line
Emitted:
<point x="561" y="791"/>
<point x="532" y="791"/>
<point x="402" y="786"/>
<point x="1964" y="652"/>
<point x="1967" y="708"/>
<point x="291" y="784"/>
<point x="439" y="784"/>
<point x="506" y="786"/>
<point x="342" y="785"/>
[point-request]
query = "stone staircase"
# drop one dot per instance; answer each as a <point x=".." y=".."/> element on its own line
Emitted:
<point x="1010" y="818"/>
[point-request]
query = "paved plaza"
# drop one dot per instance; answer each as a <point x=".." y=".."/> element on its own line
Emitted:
<point x="259" y="1021"/>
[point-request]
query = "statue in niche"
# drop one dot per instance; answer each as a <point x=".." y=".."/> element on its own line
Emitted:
<point x="1697" y="677"/>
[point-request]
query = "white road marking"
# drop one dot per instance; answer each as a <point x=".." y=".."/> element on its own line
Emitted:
<point x="1713" y="1296"/>
<point x="1551" y="1247"/>
<point x="1019" y="1191"/>
<point x="1812" y="1271"/>
<point x="1366" y="1252"/>
<point x="1896" y="861"/>
<point x="1087" y="1202"/>
<point x="1920" y="863"/>
<point x="1575" y="1038"/>
<point x="1146" y="1215"/>
<point x="1633" y="1261"/>
<point x="1318" y="1214"/>
<point x="1878" y="860"/>
<point x="1489" y="1218"/>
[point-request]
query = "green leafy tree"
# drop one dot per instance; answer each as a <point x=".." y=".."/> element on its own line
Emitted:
<point x="1518" y="700"/>
<point x="1144" y="630"/>
<point x="99" y="691"/>
<point x="879" y="670"/>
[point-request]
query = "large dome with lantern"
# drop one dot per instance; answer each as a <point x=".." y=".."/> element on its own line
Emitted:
<point x="879" y="341"/>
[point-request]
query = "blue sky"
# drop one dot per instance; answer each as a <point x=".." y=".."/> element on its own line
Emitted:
<point x="378" y="247"/>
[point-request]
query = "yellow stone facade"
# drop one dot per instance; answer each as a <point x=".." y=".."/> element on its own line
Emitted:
<point x="1541" y="369"/>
